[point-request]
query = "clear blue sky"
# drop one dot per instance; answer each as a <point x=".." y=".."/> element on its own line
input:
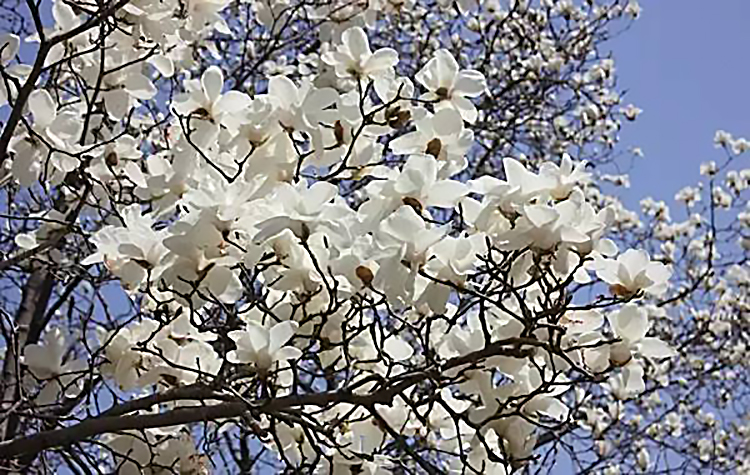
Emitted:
<point x="686" y="64"/>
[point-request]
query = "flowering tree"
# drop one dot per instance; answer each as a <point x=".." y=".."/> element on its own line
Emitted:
<point x="310" y="236"/>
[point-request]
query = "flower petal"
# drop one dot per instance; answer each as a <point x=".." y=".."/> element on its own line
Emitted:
<point x="212" y="82"/>
<point x="280" y="334"/>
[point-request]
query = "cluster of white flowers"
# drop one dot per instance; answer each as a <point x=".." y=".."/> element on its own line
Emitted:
<point x="320" y="238"/>
<point x="244" y="180"/>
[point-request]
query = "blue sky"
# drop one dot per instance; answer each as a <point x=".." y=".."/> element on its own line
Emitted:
<point x="686" y="64"/>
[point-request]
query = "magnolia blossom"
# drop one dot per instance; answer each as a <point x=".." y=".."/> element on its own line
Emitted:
<point x="263" y="347"/>
<point x="209" y="105"/>
<point x="354" y="59"/>
<point x="322" y="258"/>
<point x="451" y="87"/>
<point x="50" y="128"/>
<point x="46" y="362"/>
<point x="632" y="272"/>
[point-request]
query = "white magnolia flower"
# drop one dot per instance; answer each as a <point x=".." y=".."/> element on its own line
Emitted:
<point x="262" y="347"/>
<point x="633" y="272"/>
<point x="354" y="59"/>
<point x="125" y="364"/>
<point x="46" y="362"/>
<point x="631" y="325"/>
<point x="60" y="130"/>
<point x="450" y="86"/>
<point x="205" y="101"/>
<point x="442" y="136"/>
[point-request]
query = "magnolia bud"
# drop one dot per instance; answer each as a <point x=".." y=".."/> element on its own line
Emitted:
<point x="365" y="275"/>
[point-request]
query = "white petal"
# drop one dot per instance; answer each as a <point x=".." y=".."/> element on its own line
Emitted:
<point x="630" y="323"/>
<point x="470" y="83"/>
<point x="64" y="16"/>
<point x="280" y="334"/>
<point x="446" y="68"/>
<point x="540" y="215"/>
<point x="634" y="260"/>
<point x="382" y="60"/>
<point x="140" y="87"/>
<point x="633" y="375"/>
<point x="397" y="348"/>
<point x="258" y="337"/>
<point x="283" y="89"/>
<point x="355" y="39"/>
<point x="9" y="44"/>
<point x="287" y="353"/>
<point x="655" y="348"/>
<point x="117" y="103"/>
<point x="163" y="64"/>
<point x="446" y="193"/>
<point x="318" y="195"/>
<point x="467" y="109"/>
<point x="26" y="240"/>
<point x="233" y="102"/>
<point x="42" y="107"/>
<point x="320" y="99"/>
<point x="212" y="82"/>
<point x="447" y="121"/>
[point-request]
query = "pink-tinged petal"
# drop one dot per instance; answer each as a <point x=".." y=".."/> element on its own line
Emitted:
<point x="212" y="82"/>
<point x="470" y="83"/>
